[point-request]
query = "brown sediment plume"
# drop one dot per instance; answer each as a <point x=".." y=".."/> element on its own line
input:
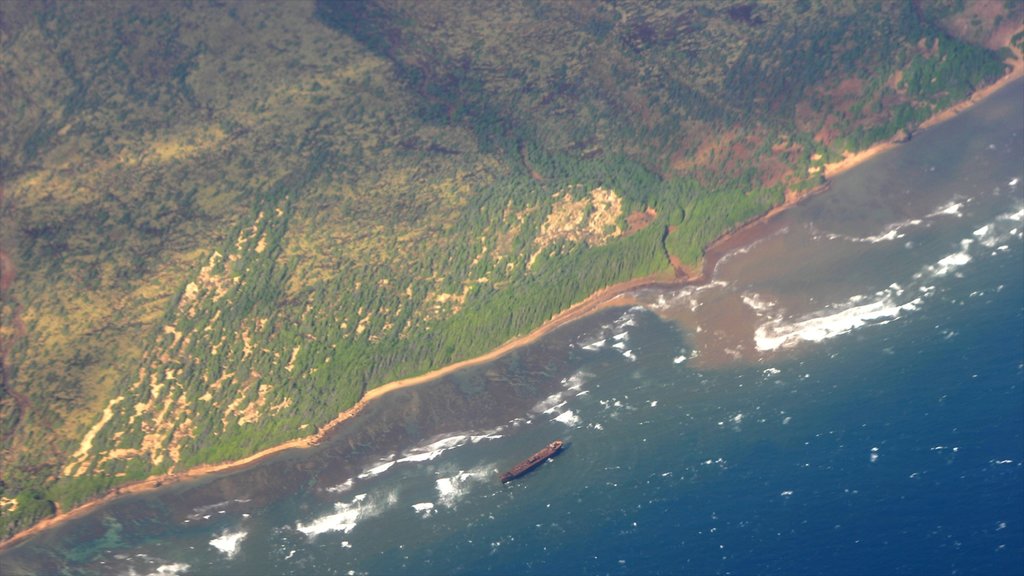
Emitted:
<point x="611" y="296"/>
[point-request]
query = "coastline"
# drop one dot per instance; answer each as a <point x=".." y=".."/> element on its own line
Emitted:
<point x="858" y="158"/>
<point x="614" y="295"/>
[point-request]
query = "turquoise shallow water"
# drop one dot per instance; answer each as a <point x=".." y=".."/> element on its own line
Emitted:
<point x="845" y="397"/>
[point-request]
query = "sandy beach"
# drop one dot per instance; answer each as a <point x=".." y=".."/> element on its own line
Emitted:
<point x="851" y="160"/>
<point x="615" y="295"/>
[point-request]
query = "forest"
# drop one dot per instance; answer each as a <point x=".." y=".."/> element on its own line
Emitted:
<point x="222" y="223"/>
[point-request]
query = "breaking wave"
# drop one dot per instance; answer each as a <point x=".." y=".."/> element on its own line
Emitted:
<point x="347" y="515"/>
<point x="888" y="304"/>
<point x="451" y="489"/>
<point x="228" y="542"/>
<point x="779" y="334"/>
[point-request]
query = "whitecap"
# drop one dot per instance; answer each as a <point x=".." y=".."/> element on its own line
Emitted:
<point x="952" y="261"/>
<point x="757" y="303"/>
<point x="451" y="489"/>
<point x="568" y="418"/>
<point x="228" y="542"/>
<point x="778" y="334"/>
<point x="347" y="515"/>
<point x="679" y="359"/>
<point x="595" y="345"/>
<point x="576" y="381"/>
<point x="376" y="470"/>
<point x="424" y="508"/>
<point x="893" y="232"/>
<point x="170" y="569"/>
<point x="549" y="403"/>
<point x="343" y="487"/>
<point x="203" y="511"/>
<point x="621" y="336"/>
<point x="628" y="354"/>
<point x="951" y="209"/>
<point x="434" y="449"/>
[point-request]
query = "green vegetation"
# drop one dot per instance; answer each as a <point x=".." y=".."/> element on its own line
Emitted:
<point x="222" y="223"/>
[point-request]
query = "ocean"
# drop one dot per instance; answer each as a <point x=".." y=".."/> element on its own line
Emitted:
<point x="845" y="396"/>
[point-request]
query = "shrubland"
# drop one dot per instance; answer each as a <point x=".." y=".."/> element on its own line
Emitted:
<point x="222" y="223"/>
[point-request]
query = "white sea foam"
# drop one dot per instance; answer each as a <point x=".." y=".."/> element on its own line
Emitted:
<point x="424" y="508"/>
<point x="893" y="231"/>
<point x="952" y="261"/>
<point x="228" y="542"/>
<point x="347" y="515"/>
<point x="948" y="263"/>
<point x="621" y="336"/>
<point x="343" y="487"/>
<point x="549" y="404"/>
<point x="951" y="209"/>
<point x="1014" y="181"/>
<point x="203" y="511"/>
<point x="492" y="435"/>
<point x="376" y="470"/>
<point x="778" y="334"/>
<point x="434" y="449"/>
<point x="619" y="345"/>
<point x="679" y="359"/>
<point x="668" y="300"/>
<point x="595" y="345"/>
<point x="451" y="489"/>
<point x="576" y="381"/>
<point x="568" y="418"/>
<point x="885" y="305"/>
<point x="1017" y="216"/>
<point x="757" y="303"/>
<point x="169" y="569"/>
<point x="628" y="355"/>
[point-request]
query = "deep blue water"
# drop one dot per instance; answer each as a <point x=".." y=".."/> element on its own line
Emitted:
<point x="846" y="398"/>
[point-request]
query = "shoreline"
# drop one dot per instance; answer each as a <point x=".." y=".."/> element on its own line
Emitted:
<point x="610" y="296"/>
<point x="855" y="159"/>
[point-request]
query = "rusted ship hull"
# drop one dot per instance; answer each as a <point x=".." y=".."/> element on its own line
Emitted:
<point x="533" y="461"/>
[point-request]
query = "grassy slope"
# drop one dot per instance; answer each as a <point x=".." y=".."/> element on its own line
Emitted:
<point x="227" y="222"/>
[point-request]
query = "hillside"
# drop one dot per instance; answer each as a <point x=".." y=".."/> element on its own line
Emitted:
<point x="222" y="223"/>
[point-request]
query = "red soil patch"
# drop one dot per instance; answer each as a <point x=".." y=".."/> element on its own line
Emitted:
<point x="637" y="221"/>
